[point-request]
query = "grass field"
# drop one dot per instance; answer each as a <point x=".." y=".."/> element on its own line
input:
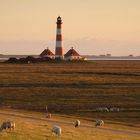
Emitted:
<point x="74" y="88"/>
<point x="27" y="129"/>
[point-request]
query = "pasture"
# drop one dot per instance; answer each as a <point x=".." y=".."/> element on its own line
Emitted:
<point x="30" y="129"/>
<point x="74" y="88"/>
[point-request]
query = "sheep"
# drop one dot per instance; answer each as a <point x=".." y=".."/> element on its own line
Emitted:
<point x="7" y="125"/>
<point x="56" y="130"/>
<point x="102" y="109"/>
<point x="114" y="109"/>
<point x="77" y="123"/>
<point x="99" y="123"/>
<point x="49" y="115"/>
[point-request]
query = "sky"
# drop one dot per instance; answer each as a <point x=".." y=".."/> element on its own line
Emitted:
<point x="92" y="27"/>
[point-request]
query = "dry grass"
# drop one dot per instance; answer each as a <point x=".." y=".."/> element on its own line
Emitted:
<point x="74" y="88"/>
<point x="34" y="130"/>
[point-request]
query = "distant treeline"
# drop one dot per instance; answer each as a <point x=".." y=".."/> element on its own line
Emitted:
<point x="31" y="59"/>
<point x="28" y="59"/>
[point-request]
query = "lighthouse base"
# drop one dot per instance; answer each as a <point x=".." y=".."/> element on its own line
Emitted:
<point x="59" y="53"/>
<point x="59" y="57"/>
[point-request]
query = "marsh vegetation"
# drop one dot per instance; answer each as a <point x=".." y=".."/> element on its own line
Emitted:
<point x="74" y="88"/>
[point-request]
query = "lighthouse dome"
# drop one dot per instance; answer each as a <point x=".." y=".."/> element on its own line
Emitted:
<point x="59" y="18"/>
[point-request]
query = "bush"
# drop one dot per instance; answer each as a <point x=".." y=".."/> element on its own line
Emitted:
<point x="12" y="60"/>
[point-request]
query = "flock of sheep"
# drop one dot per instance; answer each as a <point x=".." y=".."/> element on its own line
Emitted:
<point x="9" y="125"/>
<point x="57" y="129"/>
<point x="105" y="109"/>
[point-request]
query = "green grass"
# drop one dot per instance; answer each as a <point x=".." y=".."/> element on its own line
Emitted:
<point x="74" y="88"/>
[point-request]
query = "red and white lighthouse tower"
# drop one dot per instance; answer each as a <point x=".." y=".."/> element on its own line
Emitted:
<point x="59" y="47"/>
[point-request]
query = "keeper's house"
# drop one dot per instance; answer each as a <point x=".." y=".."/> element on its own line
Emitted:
<point x="72" y="55"/>
<point x="47" y="54"/>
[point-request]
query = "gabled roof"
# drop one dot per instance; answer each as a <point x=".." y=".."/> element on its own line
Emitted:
<point x="71" y="52"/>
<point x="46" y="52"/>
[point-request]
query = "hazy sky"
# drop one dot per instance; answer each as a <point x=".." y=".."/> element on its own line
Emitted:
<point x="90" y="26"/>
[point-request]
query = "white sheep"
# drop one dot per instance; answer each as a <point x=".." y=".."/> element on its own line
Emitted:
<point x="99" y="123"/>
<point x="114" y="109"/>
<point x="56" y="130"/>
<point x="7" y="125"/>
<point x="102" y="109"/>
<point x="49" y="115"/>
<point x="77" y="123"/>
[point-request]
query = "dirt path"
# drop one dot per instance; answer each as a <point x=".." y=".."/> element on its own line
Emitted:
<point x="69" y="123"/>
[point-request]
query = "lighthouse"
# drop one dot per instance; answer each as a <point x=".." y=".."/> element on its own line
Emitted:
<point x="59" y="46"/>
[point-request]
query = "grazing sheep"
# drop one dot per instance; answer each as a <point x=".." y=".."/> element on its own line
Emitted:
<point x="77" y="123"/>
<point x="114" y="109"/>
<point x="99" y="123"/>
<point x="56" y="130"/>
<point x="102" y="109"/>
<point x="49" y="115"/>
<point x="7" y="125"/>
